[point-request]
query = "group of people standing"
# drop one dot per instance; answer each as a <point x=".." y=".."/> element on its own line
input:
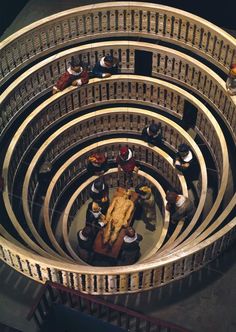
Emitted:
<point x="179" y="206"/>
<point x="96" y="215"/>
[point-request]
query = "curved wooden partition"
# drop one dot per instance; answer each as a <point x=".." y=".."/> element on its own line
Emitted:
<point x="116" y="19"/>
<point x="74" y="204"/>
<point x="118" y="280"/>
<point x="166" y="63"/>
<point x="116" y="89"/>
<point x="184" y="252"/>
<point x="152" y="157"/>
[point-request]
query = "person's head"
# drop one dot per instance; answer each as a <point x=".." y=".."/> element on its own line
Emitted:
<point x="183" y="149"/>
<point x="232" y="70"/>
<point x="171" y="197"/>
<point x="108" y="60"/>
<point x="124" y="152"/>
<point x="97" y="158"/>
<point x="96" y="207"/>
<point x="99" y="185"/>
<point x="143" y="190"/>
<point x="76" y="64"/>
<point x="153" y="128"/>
<point x="130" y="232"/>
<point x="87" y="231"/>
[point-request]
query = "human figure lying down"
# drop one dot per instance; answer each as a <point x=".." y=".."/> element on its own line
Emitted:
<point x="118" y="215"/>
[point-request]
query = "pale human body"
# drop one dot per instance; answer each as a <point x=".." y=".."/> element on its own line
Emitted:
<point x="118" y="215"/>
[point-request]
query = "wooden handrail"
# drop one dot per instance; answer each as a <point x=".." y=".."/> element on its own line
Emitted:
<point x="47" y="208"/>
<point x="59" y="289"/>
<point x="167" y="63"/>
<point x="75" y="196"/>
<point x="115" y="19"/>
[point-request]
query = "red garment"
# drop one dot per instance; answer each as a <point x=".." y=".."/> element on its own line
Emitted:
<point x="127" y="165"/>
<point x="66" y="79"/>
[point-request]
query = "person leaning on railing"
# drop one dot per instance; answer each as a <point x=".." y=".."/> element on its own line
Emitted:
<point x="231" y="81"/>
<point x="179" y="206"/>
<point x="85" y="242"/>
<point x="75" y="75"/>
<point x="99" y="192"/>
<point x="186" y="163"/>
<point x="152" y="134"/>
<point x="94" y="217"/>
<point x="146" y="209"/>
<point x="130" y="251"/>
<point x="126" y="162"/>
<point x="97" y="164"/>
<point x="105" y="67"/>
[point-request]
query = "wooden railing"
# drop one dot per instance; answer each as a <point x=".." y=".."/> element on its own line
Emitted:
<point x="121" y="19"/>
<point x="155" y="158"/>
<point x="166" y="63"/>
<point x="67" y="173"/>
<point x="116" y="91"/>
<point x="75" y="203"/>
<point x="124" y="20"/>
<point x="52" y="294"/>
<point x="143" y="276"/>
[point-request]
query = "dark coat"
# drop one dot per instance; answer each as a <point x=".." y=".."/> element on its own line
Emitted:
<point x="191" y="173"/>
<point x="98" y="70"/>
<point x="92" y="170"/>
<point x="130" y="252"/>
<point x="85" y="244"/>
<point x="185" y="211"/>
<point x="154" y="140"/>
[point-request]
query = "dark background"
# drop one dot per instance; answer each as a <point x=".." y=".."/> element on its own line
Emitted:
<point x="219" y="12"/>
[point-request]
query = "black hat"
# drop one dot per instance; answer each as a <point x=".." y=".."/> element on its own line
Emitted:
<point x="154" y="127"/>
<point x="75" y="62"/>
<point x="99" y="185"/>
<point x="86" y="231"/>
<point x="183" y="148"/>
<point x="109" y="58"/>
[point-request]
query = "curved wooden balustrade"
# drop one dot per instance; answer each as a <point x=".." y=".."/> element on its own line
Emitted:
<point x="183" y="254"/>
<point x="155" y="158"/>
<point x="118" y="280"/>
<point x="116" y="19"/>
<point x="161" y="94"/>
<point x="168" y="171"/>
<point x="74" y="204"/>
<point x="168" y="64"/>
<point x="152" y="157"/>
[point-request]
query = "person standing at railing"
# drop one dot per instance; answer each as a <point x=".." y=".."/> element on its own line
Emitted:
<point x="85" y="243"/>
<point x="44" y="174"/>
<point x="99" y="192"/>
<point x="187" y="164"/>
<point x="105" y="67"/>
<point x="146" y="209"/>
<point x="94" y="217"/>
<point x="152" y="134"/>
<point x="130" y="251"/>
<point x="231" y="81"/>
<point x="127" y="163"/>
<point x="179" y="206"/>
<point x="97" y="164"/>
<point x="75" y="75"/>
